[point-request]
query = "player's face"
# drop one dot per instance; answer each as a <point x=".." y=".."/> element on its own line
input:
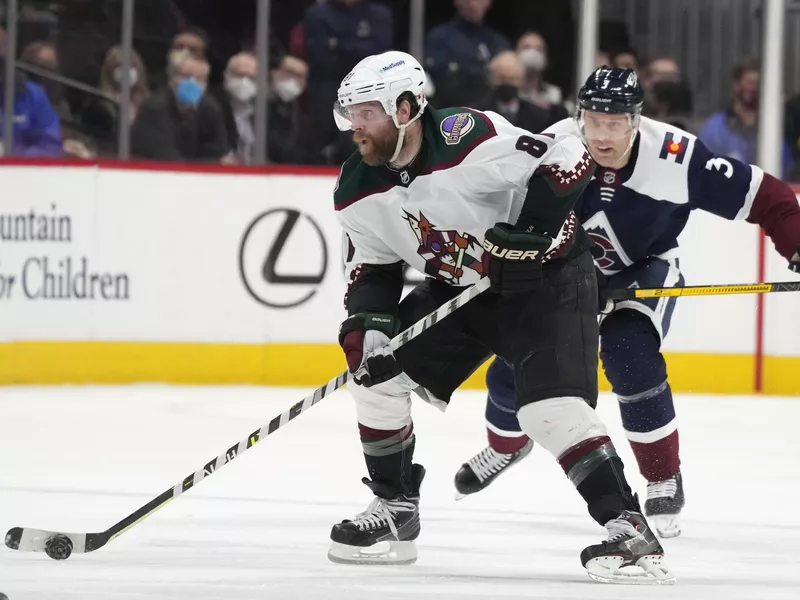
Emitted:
<point x="608" y="137"/>
<point x="374" y="133"/>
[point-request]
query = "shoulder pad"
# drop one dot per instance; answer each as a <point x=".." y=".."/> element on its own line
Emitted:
<point x="453" y="133"/>
<point x="356" y="181"/>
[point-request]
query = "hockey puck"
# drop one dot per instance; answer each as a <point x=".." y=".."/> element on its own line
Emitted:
<point x="58" y="547"/>
<point x="3" y="596"/>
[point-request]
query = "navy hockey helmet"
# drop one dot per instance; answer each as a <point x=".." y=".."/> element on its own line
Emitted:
<point x="612" y="90"/>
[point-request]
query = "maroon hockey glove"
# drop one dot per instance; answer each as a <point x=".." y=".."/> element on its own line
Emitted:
<point x="513" y="259"/>
<point x="364" y="337"/>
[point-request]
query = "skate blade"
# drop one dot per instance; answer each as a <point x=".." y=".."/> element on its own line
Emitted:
<point x="648" y="570"/>
<point x="460" y="496"/>
<point x="382" y="553"/>
<point x="666" y="526"/>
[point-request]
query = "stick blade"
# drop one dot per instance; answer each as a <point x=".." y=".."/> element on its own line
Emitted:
<point x="26" y="539"/>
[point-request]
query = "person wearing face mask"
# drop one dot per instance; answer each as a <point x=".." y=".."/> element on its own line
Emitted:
<point x="532" y="51"/>
<point x="506" y="76"/>
<point x="100" y="117"/>
<point x="734" y="131"/>
<point x="192" y="41"/>
<point x="290" y="130"/>
<point x="181" y="122"/>
<point x="237" y="100"/>
<point x="286" y="123"/>
<point x="669" y="98"/>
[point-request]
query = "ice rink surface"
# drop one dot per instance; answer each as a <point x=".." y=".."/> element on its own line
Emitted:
<point x="80" y="459"/>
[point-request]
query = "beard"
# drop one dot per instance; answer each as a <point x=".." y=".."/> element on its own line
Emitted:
<point x="379" y="148"/>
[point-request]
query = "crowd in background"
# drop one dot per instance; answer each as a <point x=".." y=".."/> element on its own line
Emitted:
<point x="193" y="92"/>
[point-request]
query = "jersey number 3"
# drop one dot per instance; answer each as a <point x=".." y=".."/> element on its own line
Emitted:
<point x="720" y="164"/>
<point x="534" y="147"/>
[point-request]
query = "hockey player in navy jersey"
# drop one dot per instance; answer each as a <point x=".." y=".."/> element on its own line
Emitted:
<point x="650" y="177"/>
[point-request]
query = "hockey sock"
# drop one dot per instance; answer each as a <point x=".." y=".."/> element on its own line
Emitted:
<point x="652" y="431"/>
<point x="389" y="455"/>
<point x="502" y="427"/>
<point x="632" y="359"/>
<point x="606" y="491"/>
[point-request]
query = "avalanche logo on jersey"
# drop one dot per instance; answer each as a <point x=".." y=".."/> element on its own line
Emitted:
<point x="446" y="253"/>
<point x="608" y="253"/>
<point x="455" y="127"/>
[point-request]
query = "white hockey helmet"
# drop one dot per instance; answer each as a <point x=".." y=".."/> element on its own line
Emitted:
<point x="380" y="78"/>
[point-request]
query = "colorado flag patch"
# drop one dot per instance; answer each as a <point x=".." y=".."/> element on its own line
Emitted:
<point x="674" y="149"/>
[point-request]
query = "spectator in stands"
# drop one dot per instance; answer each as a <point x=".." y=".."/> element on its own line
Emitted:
<point x="532" y="50"/>
<point x="625" y="59"/>
<point x="290" y="137"/>
<point x="191" y="40"/>
<point x="667" y="96"/>
<point x="43" y="55"/>
<point x="288" y="131"/>
<point x="36" y="128"/>
<point x="661" y="68"/>
<point x="101" y="117"/>
<point x="338" y="34"/>
<point x="792" y="131"/>
<point x="181" y="122"/>
<point x="459" y="51"/>
<point x="733" y="132"/>
<point x="237" y="101"/>
<point x="602" y="59"/>
<point x="506" y="78"/>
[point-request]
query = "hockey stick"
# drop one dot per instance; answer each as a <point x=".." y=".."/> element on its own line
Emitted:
<point x="704" y="290"/>
<point x="60" y="546"/>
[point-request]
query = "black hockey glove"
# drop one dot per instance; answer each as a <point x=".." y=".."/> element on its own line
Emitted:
<point x="513" y="259"/>
<point x="364" y="338"/>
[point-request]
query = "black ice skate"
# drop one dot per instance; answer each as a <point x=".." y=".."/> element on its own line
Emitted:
<point x="483" y="468"/>
<point x="631" y="554"/>
<point x="385" y="532"/>
<point x="663" y="506"/>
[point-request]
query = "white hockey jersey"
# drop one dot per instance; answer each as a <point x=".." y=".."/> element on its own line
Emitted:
<point x="472" y="172"/>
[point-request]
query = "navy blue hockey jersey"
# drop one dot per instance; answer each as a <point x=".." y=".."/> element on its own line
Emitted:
<point x="640" y="210"/>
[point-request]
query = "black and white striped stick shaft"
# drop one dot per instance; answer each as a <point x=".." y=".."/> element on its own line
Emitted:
<point x="35" y="540"/>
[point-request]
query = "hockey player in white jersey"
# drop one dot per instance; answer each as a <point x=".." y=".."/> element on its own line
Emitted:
<point x="650" y="177"/>
<point x="460" y="195"/>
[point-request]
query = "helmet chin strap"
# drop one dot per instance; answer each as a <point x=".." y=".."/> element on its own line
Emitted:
<point x="399" y="146"/>
<point x="625" y="155"/>
<point x="402" y="134"/>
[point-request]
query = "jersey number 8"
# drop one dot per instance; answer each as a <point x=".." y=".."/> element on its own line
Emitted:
<point x="534" y="147"/>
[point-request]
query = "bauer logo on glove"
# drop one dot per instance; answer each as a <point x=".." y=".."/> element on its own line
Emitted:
<point x="507" y="254"/>
<point x="513" y="259"/>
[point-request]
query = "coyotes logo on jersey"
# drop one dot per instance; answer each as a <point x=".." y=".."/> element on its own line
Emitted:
<point x="446" y="252"/>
